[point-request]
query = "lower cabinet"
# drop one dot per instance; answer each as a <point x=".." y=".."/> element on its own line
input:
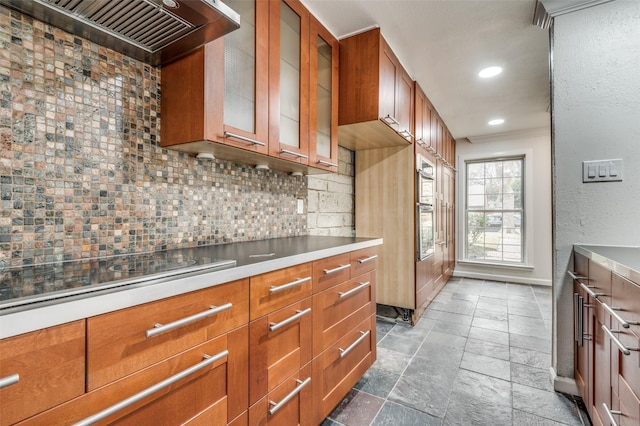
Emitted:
<point x="41" y="369"/>
<point x="280" y="348"/>
<point x="607" y="334"/>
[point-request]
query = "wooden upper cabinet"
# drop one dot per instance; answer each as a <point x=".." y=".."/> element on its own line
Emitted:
<point x="376" y="94"/>
<point x="422" y="123"/>
<point x="252" y="90"/>
<point x="289" y="80"/>
<point x="323" y="109"/>
<point x="220" y="92"/>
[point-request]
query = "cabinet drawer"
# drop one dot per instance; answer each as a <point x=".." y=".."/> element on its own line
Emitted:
<point x="363" y="261"/>
<point x="626" y="298"/>
<point x="288" y="404"/>
<point x="340" y="309"/>
<point x="48" y="366"/>
<point x="277" y="289"/>
<point x="338" y="368"/>
<point x="118" y="345"/>
<point x="331" y="271"/>
<point x="629" y="406"/>
<point x="217" y="391"/>
<point x="277" y="354"/>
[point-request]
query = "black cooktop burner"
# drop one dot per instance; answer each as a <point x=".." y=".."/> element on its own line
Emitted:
<point x="40" y="282"/>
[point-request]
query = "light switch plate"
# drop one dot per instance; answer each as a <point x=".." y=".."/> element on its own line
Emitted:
<point x="602" y="170"/>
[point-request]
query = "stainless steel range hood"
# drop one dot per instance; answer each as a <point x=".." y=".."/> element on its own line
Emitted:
<point x="153" y="31"/>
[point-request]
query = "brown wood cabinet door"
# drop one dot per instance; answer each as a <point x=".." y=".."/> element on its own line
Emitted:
<point x="323" y="88"/>
<point x="119" y="343"/>
<point x="404" y="103"/>
<point x="280" y="345"/>
<point x="275" y="409"/>
<point x="289" y="80"/>
<point x="600" y="283"/>
<point x="242" y="58"/>
<point x="363" y="261"/>
<point x="330" y="271"/>
<point x="277" y="289"/>
<point x="341" y="308"/>
<point x="338" y="368"/>
<point x="47" y="367"/>
<point x="388" y="81"/>
<point x="422" y="124"/>
<point x="583" y="361"/>
<point x="220" y="92"/>
<point x="214" y="385"/>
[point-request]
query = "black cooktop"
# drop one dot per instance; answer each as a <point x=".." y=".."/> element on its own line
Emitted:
<point x="24" y="284"/>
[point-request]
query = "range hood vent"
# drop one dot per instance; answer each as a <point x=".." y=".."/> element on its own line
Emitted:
<point x="154" y="31"/>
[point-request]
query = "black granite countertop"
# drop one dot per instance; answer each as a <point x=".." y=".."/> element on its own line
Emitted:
<point x="624" y="261"/>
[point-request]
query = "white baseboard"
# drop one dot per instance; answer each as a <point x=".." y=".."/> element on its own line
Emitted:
<point x="566" y="385"/>
<point x="497" y="277"/>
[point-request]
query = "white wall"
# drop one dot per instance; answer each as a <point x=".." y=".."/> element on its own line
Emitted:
<point x="536" y="146"/>
<point x="595" y="115"/>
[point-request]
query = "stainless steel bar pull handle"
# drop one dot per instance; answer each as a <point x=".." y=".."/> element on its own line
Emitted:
<point x="368" y="259"/>
<point x="578" y="328"/>
<point x="9" y="380"/>
<point x="208" y="360"/>
<point x="390" y="120"/>
<point x="363" y="335"/>
<point x="339" y="268"/>
<point x="279" y="405"/>
<point x="295" y="154"/>
<point x="348" y="293"/>
<point x="590" y="292"/>
<point x="406" y="134"/>
<point x="243" y="138"/>
<point x="612" y="311"/>
<point x="327" y="163"/>
<point x="160" y="328"/>
<point x="277" y="288"/>
<point x="614" y="339"/>
<point x="574" y="276"/>
<point x="299" y="314"/>
<point x="611" y="413"/>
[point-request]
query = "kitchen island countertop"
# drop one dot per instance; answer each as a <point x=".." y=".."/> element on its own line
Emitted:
<point x="24" y="313"/>
<point x="623" y="260"/>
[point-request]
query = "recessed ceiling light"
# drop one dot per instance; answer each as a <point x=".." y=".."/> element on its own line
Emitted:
<point x="490" y="72"/>
<point x="495" y="122"/>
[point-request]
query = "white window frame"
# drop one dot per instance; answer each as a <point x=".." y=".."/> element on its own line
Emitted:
<point x="527" y="223"/>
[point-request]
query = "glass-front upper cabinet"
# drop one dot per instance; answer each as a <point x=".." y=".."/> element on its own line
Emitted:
<point x="289" y="81"/>
<point x="323" y="114"/>
<point x="246" y="80"/>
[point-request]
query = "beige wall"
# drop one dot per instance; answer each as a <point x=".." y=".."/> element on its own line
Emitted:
<point x="536" y="147"/>
<point x="331" y="199"/>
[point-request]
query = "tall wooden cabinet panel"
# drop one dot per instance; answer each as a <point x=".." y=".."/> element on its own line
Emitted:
<point x="324" y="57"/>
<point x="376" y="95"/>
<point x="41" y="369"/>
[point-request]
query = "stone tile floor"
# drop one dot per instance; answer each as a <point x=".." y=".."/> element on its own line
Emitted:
<point x="480" y="355"/>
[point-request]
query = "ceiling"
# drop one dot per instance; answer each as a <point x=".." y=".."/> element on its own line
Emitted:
<point x="443" y="44"/>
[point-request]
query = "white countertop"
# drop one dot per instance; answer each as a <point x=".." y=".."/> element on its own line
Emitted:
<point x="623" y="260"/>
<point x="59" y="308"/>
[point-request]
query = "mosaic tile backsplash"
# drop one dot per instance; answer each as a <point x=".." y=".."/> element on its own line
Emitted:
<point x="81" y="170"/>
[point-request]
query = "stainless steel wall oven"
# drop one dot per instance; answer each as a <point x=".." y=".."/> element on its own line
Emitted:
<point x="424" y="208"/>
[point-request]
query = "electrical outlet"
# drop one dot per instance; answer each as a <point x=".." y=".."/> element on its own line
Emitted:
<point x="602" y="171"/>
<point x="300" y="206"/>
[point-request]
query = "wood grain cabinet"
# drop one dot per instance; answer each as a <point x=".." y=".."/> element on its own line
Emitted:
<point x="264" y="94"/>
<point x="279" y="348"/>
<point x="41" y="369"/>
<point x="376" y="94"/>
<point x="607" y="334"/>
<point x="344" y="333"/>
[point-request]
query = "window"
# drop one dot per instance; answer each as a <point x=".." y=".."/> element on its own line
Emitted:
<point x="494" y="210"/>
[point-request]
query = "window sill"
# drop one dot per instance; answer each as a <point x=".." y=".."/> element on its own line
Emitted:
<point x="496" y="265"/>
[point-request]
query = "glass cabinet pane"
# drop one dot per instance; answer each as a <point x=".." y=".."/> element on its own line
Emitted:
<point x="240" y="69"/>
<point x="289" y="76"/>
<point x="323" y="136"/>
